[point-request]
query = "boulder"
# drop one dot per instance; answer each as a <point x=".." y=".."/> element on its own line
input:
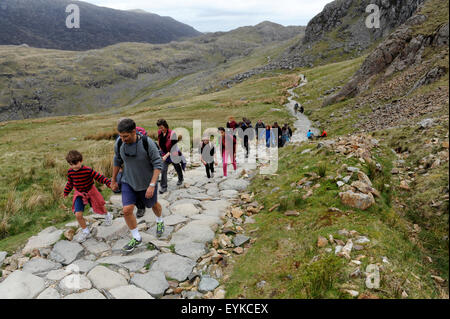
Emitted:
<point x="90" y="294"/>
<point x="131" y="262"/>
<point x="118" y="229"/>
<point x="174" y="266"/>
<point x="57" y="275"/>
<point x="66" y="252"/>
<point x="74" y="283"/>
<point x="21" y="285"/>
<point x="154" y="282"/>
<point x="364" y="188"/>
<point x="129" y="292"/>
<point x="44" y="239"/>
<point x="356" y="200"/>
<point x="49" y="293"/>
<point x="207" y="283"/>
<point x="40" y="266"/>
<point x="104" y="278"/>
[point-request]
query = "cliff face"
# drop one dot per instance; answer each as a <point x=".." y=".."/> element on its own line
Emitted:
<point x="42" y="24"/>
<point x="340" y="29"/>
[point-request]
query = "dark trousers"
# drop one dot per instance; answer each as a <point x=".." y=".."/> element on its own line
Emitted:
<point x="246" y="146"/>
<point x="209" y="169"/>
<point x="164" y="170"/>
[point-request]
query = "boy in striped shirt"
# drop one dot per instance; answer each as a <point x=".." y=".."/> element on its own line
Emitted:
<point x="82" y="178"/>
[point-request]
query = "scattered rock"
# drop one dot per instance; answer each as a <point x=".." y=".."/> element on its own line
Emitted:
<point x="44" y="239"/>
<point x="207" y="283"/>
<point x="74" y="283"/>
<point x="154" y="282"/>
<point x="240" y="240"/>
<point x="322" y="242"/>
<point x="356" y="200"/>
<point x="90" y="294"/>
<point x="40" y="266"/>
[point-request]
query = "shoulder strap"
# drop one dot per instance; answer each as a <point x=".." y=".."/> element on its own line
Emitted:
<point x="119" y="145"/>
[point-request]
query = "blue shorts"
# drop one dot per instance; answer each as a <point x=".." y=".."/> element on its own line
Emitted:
<point x="79" y="205"/>
<point x="130" y="196"/>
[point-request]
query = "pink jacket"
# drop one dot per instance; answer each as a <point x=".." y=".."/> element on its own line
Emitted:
<point x="96" y="199"/>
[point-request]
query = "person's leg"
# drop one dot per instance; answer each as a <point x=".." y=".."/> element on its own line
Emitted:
<point x="207" y="170"/>
<point x="211" y="167"/>
<point x="163" y="175"/>
<point x="179" y="171"/>
<point x="224" y="160"/>
<point x="129" y="197"/>
<point x="81" y="220"/>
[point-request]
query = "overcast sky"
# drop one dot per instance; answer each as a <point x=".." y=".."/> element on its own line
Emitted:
<point x="225" y="15"/>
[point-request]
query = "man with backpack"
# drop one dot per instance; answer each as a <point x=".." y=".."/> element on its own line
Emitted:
<point x="296" y="108"/>
<point x="142" y="165"/>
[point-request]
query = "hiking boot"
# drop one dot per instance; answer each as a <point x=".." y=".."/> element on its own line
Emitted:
<point x="162" y="190"/>
<point x="108" y="220"/>
<point x="180" y="182"/>
<point x="159" y="229"/>
<point x="132" y="244"/>
<point x="140" y="213"/>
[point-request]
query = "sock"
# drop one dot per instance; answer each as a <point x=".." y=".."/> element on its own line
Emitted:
<point x="86" y="230"/>
<point x="135" y="233"/>
<point x="159" y="219"/>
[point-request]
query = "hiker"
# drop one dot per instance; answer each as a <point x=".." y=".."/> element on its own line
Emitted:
<point x="278" y="134"/>
<point x="226" y="149"/>
<point x="310" y="135"/>
<point x="324" y="134"/>
<point x="139" y="204"/>
<point x="285" y="135"/>
<point x="302" y="109"/>
<point x="259" y="130"/>
<point x="208" y="156"/>
<point x="246" y="134"/>
<point x="82" y="179"/>
<point x="142" y="165"/>
<point x="296" y="108"/>
<point x="167" y="140"/>
<point x="269" y="137"/>
<point x="232" y="123"/>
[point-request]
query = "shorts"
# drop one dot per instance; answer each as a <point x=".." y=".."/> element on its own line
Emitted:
<point x="130" y="196"/>
<point x="79" y="205"/>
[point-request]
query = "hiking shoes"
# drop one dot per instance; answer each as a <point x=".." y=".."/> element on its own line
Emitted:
<point x="162" y="190"/>
<point x="132" y="244"/>
<point x="81" y="237"/>
<point x="159" y="229"/>
<point x="140" y="213"/>
<point x="180" y="182"/>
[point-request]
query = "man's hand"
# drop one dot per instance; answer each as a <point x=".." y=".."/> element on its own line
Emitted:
<point x="114" y="186"/>
<point x="150" y="192"/>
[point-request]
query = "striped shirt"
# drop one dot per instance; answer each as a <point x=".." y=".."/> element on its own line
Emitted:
<point x="83" y="179"/>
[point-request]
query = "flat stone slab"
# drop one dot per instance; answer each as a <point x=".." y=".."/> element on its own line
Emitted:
<point x="129" y="292"/>
<point x="74" y="283"/>
<point x="165" y="235"/>
<point x="239" y="240"/>
<point x="118" y="245"/>
<point x="95" y="247"/>
<point x="229" y="193"/>
<point x="81" y="266"/>
<point x="174" y="266"/>
<point x="118" y="229"/>
<point x="116" y="200"/>
<point x="57" y="275"/>
<point x="131" y="262"/>
<point x="190" y="250"/>
<point x="40" y="266"/>
<point x="104" y="278"/>
<point x="21" y="285"/>
<point x="193" y="233"/>
<point x="66" y="252"/>
<point x="209" y="220"/>
<point x="90" y="294"/>
<point x="173" y="220"/>
<point x="44" y="239"/>
<point x="185" y="210"/>
<point x="154" y="282"/>
<point x="207" y="283"/>
<point x="215" y="208"/>
<point x="234" y="184"/>
<point x="185" y="201"/>
<point x="49" y="293"/>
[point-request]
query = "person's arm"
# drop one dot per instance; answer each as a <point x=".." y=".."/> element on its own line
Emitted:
<point x="118" y="162"/>
<point x="69" y="187"/>
<point x="157" y="163"/>
<point x="100" y="178"/>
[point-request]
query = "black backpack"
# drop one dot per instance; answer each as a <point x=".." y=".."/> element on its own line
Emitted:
<point x="144" y="142"/>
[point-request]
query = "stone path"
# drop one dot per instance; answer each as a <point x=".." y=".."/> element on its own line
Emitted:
<point x="183" y="263"/>
<point x="168" y="267"/>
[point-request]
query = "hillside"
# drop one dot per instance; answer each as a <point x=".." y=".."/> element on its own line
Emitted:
<point x="33" y="85"/>
<point x="42" y="24"/>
